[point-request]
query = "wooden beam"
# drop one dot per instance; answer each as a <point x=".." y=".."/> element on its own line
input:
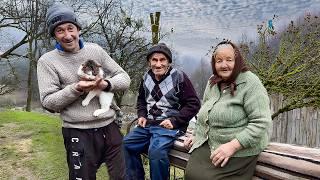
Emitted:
<point x="290" y="164"/>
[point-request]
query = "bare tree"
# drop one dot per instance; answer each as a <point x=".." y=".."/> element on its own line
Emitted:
<point x="200" y="76"/>
<point x="20" y="15"/>
<point x="26" y="17"/>
<point x="122" y="36"/>
<point x="109" y="24"/>
<point x="9" y="79"/>
<point x="35" y="29"/>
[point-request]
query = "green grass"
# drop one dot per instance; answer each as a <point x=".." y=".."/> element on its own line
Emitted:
<point x="31" y="147"/>
<point x="43" y="158"/>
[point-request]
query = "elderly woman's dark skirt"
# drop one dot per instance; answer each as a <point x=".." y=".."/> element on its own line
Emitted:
<point x="200" y="166"/>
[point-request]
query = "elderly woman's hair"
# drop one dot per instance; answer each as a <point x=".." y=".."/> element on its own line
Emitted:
<point x="224" y="44"/>
<point x="238" y="67"/>
<point x="220" y="46"/>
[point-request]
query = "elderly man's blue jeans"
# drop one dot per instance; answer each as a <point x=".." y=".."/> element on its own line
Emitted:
<point x="154" y="140"/>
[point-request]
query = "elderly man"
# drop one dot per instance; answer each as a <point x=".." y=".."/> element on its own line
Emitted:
<point x="166" y="103"/>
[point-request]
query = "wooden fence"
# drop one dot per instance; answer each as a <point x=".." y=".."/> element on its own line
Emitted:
<point x="299" y="126"/>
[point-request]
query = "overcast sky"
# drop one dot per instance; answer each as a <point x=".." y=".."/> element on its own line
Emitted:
<point x="198" y="23"/>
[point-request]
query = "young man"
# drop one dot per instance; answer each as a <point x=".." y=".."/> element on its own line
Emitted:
<point x="89" y="140"/>
<point x="166" y="103"/>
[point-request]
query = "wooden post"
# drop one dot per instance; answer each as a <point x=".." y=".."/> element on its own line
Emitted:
<point x="155" y="27"/>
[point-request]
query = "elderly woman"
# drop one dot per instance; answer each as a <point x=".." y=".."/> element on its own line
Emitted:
<point x="233" y="122"/>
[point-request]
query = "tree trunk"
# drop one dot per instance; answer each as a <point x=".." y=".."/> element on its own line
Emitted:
<point x="118" y="98"/>
<point x="30" y="79"/>
<point x="33" y="47"/>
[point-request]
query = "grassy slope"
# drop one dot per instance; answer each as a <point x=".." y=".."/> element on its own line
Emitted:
<point x="31" y="147"/>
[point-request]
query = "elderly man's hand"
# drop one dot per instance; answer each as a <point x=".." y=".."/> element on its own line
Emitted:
<point x="142" y="121"/>
<point x="166" y="124"/>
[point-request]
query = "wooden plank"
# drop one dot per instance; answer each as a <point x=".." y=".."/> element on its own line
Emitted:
<point x="313" y="127"/>
<point x="274" y="174"/>
<point x="297" y="151"/>
<point x="278" y="122"/>
<point x="303" y="129"/>
<point x="290" y="164"/>
<point x="272" y="134"/>
<point x="290" y="123"/>
<point x="273" y="99"/>
<point x="274" y="107"/>
<point x="256" y="178"/>
<point x="297" y="126"/>
<point x="318" y="130"/>
<point x="275" y="133"/>
<point x="280" y="127"/>
<point x="308" y="129"/>
<point x="178" y="145"/>
<point x="178" y="159"/>
<point x="285" y="127"/>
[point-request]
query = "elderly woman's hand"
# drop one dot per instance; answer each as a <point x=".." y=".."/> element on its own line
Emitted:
<point x="188" y="142"/>
<point x="222" y="154"/>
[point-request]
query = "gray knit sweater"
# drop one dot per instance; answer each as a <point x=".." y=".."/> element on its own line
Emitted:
<point x="57" y="76"/>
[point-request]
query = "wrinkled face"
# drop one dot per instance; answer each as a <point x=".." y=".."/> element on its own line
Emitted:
<point x="224" y="61"/>
<point x="67" y="35"/>
<point x="159" y="64"/>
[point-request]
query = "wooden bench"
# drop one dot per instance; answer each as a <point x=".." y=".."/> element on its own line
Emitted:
<point x="277" y="161"/>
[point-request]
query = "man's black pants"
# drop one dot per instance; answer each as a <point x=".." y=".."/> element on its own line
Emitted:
<point x="87" y="149"/>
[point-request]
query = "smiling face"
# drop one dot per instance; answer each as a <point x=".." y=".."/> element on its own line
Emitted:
<point x="159" y="64"/>
<point x="224" y="61"/>
<point x="67" y="35"/>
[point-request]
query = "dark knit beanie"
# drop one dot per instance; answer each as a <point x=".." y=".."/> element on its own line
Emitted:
<point x="160" y="48"/>
<point x="58" y="14"/>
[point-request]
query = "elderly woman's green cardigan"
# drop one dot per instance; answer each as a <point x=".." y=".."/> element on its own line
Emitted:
<point x="245" y="116"/>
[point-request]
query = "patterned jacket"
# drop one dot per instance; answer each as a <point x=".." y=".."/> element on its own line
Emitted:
<point x="173" y="97"/>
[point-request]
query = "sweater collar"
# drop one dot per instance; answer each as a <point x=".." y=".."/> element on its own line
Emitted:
<point x="60" y="48"/>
